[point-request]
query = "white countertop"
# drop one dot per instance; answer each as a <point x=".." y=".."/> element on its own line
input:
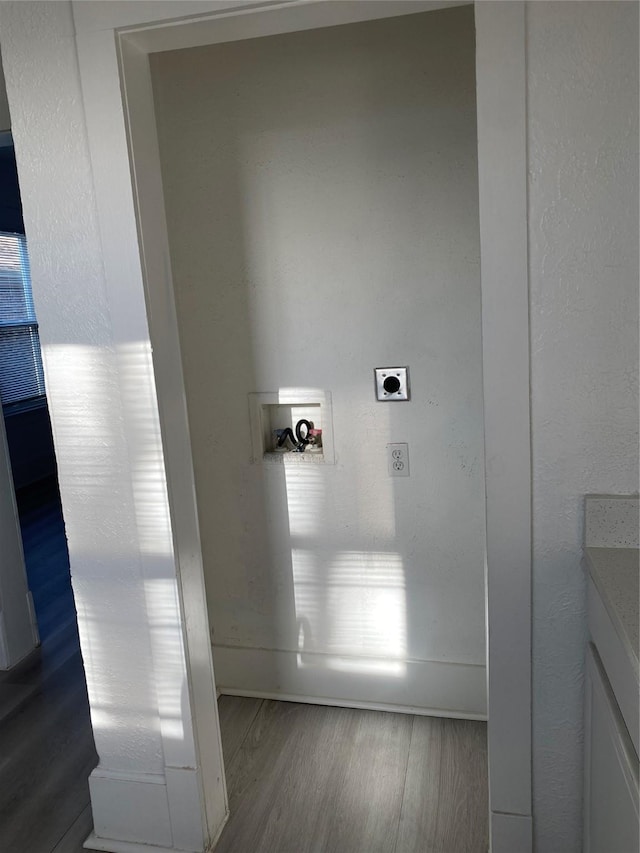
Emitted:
<point x="616" y="575"/>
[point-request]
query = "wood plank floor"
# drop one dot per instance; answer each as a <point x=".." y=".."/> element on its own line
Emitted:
<point x="46" y="742"/>
<point x="301" y="778"/>
<point x="46" y="755"/>
<point x="316" y="779"/>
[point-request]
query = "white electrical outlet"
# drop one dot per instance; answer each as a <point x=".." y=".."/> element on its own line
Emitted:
<point x="398" y="460"/>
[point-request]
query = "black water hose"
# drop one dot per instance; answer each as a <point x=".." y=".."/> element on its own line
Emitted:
<point x="298" y="439"/>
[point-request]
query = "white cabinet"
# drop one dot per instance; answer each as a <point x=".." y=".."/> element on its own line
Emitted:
<point x="611" y="769"/>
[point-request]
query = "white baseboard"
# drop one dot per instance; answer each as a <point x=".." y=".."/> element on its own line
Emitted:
<point x="130" y="808"/>
<point x="431" y="688"/>
<point x="348" y="703"/>
<point x="511" y="833"/>
<point x="110" y="846"/>
<point x="147" y="812"/>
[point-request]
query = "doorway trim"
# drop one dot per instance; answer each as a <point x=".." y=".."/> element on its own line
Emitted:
<point x="114" y="42"/>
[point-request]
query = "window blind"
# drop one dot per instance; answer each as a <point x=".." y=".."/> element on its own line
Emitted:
<point x="21" y="374"/>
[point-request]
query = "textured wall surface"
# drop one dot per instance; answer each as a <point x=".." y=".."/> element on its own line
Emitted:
<point x="85" y="380"/>
<point x="323" y="217"/>
<point x="5" y="118"/>
<point x="583" y="230"/>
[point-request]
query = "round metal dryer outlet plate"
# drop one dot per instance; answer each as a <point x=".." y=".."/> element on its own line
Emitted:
<point x="392" y="383"/>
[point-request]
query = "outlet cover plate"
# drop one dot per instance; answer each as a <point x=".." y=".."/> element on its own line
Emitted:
<point x="392" y="384"/>
<point x="398" y="459"/>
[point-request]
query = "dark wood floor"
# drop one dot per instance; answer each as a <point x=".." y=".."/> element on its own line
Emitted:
<point x="301" y="778"/>
<point x="46" y="755"/>
<point x="46" y="743"/>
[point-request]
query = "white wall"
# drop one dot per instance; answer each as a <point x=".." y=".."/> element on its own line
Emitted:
<point x="502" y="157"/>
<point x="321" y="193"/>
<point x="583" y="231"/>
<point x="149" y="785"/>
<point x="81" y="370"/>
<point x="581" y="440"/>
<point x="5" y="118"/>
<point x="18" y="632"/>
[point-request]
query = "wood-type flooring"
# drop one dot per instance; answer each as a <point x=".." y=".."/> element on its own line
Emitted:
<point x="318" y="779"/>
<point x="301" y="778"/>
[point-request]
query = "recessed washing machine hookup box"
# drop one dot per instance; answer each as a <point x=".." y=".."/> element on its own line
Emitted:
<point x="274" y="411"/>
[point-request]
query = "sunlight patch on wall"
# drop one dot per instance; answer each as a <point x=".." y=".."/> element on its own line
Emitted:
<point x="145" y="449"/>
<point x="354" y="606"/>
<point x="118" y="523"/>
<point x="89" y="444"/>
<point x="120" y="679"/>
<point x="350" y="606"/>
<point x="305" y="499"/>
<point x="167" y="646"/>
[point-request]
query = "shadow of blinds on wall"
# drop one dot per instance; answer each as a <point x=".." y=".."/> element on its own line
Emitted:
<point x="21" y="374"/>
